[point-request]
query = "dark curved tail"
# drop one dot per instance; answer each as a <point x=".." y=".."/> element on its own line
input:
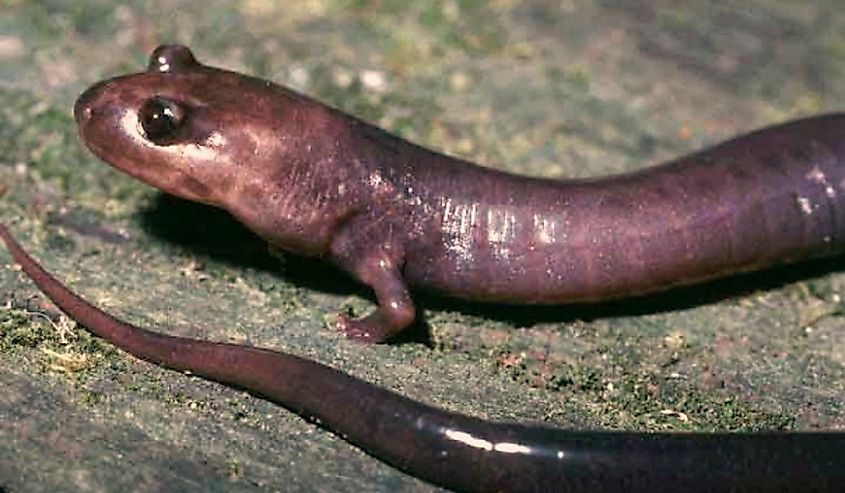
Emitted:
<point x="469" y="454"/>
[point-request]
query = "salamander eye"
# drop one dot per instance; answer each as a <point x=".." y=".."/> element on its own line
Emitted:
<point x="161" y="119"/>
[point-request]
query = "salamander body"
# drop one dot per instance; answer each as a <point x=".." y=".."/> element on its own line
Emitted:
<point x="313" y="180"/>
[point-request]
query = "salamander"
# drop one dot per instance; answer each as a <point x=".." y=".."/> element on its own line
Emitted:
<point x="312" y="180"/>
<point x="469" y="454"/>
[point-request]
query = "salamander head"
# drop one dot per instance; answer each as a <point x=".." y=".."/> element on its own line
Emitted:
<point x="191" y="130"/>
<point x="256" y="149"/>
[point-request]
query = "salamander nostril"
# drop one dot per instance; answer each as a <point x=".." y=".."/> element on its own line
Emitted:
<point x="81" y="111"/>
<point x="83" y="108"/>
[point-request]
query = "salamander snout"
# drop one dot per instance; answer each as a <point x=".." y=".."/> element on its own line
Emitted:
<point x="82" y="109"/>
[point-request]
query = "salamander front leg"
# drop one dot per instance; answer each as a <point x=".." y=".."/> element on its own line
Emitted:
<point x="395" y="309"/>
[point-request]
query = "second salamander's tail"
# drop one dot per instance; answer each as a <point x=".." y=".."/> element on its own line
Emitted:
<point x="468" y="454"/>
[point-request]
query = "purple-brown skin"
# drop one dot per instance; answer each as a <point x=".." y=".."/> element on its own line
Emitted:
<point x="468" y="454"/>
<point x="313" y="180"/>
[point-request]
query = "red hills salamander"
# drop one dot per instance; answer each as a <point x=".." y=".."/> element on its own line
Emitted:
<point x="312" y="180"/>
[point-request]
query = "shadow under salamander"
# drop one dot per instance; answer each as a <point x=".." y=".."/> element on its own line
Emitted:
<point x="213" y="232"/>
